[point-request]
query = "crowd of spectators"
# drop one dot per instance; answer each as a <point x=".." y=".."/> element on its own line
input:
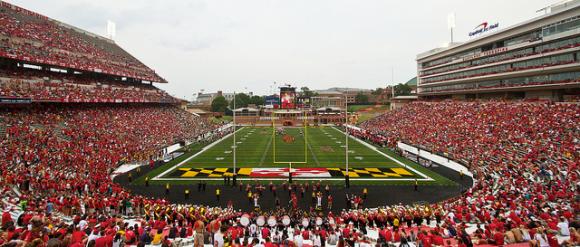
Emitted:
<point x="59" y="87"/>
<point x="524" y="158"/>
<point x="60" y="157"/>
<point x="29" y="36"/>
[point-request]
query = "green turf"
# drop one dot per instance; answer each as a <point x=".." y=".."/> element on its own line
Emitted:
<point x="255" y="148"/>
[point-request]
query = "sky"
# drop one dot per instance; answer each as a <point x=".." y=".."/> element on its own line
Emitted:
<point x="248" y="45"/>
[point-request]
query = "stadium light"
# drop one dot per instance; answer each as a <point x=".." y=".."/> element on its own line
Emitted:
<point x="451" y="23"/>
<point x="111" y="30"/>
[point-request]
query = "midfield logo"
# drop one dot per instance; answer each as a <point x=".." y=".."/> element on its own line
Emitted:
<point x="288" y="138"/>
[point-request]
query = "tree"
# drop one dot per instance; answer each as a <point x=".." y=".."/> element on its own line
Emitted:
<point x="361" y="98"/>
<point x="219" y="104"/>
<point x="306" y="92"/>
<point x="241" y="99"/>
<point x="403" y="89"/>
<point x="377" y="91"/>
<point x="257" y="100"/>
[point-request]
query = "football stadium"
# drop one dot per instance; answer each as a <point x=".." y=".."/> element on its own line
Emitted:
<point x="102" y="147"/>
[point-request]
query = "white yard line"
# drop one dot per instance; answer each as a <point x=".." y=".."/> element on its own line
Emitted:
<point x="158" y="177"/>
<point x="425" y="177"/>
<point x="313" y="155"/>
<point x="266" y="151"/>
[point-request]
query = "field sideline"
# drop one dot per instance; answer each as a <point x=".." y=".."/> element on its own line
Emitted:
<point x="324" y="150"/>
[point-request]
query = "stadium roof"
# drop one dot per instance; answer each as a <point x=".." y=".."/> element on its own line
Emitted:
<point x="556" y="9"/>
<point x="74" y="48"/>
<point x="412" y="81"/>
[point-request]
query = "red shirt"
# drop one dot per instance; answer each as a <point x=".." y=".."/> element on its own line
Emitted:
<point x="77" y="237"/>
<point x="498" y="237"/>
<point x="106" y="241"/>
<point x="130" y="236"/>
<point x="265" y="232"/>
<point x="6" y="217"/>
<point x="426" y="241"/>
<point x="269" y="244"/>
<point x="438" y="240"/>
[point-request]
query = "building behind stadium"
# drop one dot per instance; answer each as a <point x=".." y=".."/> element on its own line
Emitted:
<point x="536" y="59"/>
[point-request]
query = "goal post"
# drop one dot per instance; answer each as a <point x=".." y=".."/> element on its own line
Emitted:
<point x="290" y="140"/>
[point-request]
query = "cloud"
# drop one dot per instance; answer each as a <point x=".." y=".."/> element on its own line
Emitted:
<point x="232" y="44"/>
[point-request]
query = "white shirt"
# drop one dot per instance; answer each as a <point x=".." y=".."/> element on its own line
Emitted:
<point x="253" y="229"/>
<point x="93" y="237"/>
<point x="564" y="228"/>
<point x="82" y="224"/>
<point x="316" y="241"/>
<point x="218" y="239"/>
<point x="543" y="242"/>
<point x="298" y="240"/>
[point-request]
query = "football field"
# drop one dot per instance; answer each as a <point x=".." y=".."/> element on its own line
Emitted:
<point x="266" y="153"/>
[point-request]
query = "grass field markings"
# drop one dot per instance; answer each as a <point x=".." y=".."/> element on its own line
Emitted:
<point x="425" y="177"/>
<point x="195" y="155"/>
<point x="313" y="155"/>
<point x="219" y="158"/>
<point x="366" y="163"/>
<point x="266" y="150"/>
<point x="228" y="152"/>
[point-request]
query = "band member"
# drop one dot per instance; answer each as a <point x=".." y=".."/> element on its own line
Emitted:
<point x="329" y="202"/>
<point x="217" y="194"/>
<point x="147" y="181"/>
<point x="319" y="201"/>
<point x="256" y="203"/>
<point x="186" y="192"/>
<point x="365" y="192"/>
<point x="416" y="185"/>
<point x="167" y="188"/>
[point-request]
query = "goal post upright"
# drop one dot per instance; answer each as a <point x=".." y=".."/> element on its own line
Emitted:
<point x="289" y="163"/>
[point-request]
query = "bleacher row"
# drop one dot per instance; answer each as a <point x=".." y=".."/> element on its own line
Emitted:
<point x="524" y="157"/>
<point x="42" y="86"/>
<point x="31" y="37"/>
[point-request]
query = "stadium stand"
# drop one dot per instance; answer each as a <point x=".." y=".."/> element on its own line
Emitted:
<point x="524" y="190"/>
<point x="41" y="86"/>
<point x="32" y="37"/>
<point x="56" y="161"/>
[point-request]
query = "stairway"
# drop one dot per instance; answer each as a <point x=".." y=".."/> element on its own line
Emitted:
<point x="58" y="131"/>
<point x="2" y="128"/>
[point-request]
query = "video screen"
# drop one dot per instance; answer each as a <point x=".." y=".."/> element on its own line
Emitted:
<point x="287" y="98"/>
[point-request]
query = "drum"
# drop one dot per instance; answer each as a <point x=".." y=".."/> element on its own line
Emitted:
<point x="331" y="221"/>
<point x="272" y="221"/>
<point x="261" y="221"/>
<point x="245" y="220"/>
<point x="318" y="221"/>
<point x="286" y="220"/>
